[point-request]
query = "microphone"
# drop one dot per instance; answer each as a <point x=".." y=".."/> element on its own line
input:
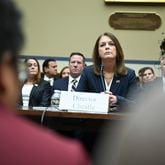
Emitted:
<point x="102" y="77"/>
<point x="102" y="68"/>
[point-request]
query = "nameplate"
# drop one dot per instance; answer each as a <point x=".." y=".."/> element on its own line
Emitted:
<point x="84" y="102"/>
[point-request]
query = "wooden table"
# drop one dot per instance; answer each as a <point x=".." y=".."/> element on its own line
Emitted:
<point x="65" y="114"/>
<point x="87" y="127"/>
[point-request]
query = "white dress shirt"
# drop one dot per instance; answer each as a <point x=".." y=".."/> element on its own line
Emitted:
<point x="51" y="80"/>
<point x="26" y="90"/>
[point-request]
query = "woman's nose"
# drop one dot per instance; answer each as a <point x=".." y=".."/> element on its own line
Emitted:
<point x="107" y="46"/>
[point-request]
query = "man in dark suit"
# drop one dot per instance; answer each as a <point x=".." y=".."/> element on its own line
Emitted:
<point x="23" y="142"/>
<point x="49" y="68"/>
<point x="162" y="63"/>
<point x="159" y="82"/>
<point x="76" y="66"/>
<point x="163" y="70"/>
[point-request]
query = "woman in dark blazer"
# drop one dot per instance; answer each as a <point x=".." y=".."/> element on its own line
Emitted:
<point x="35" y="92"/>
<point x="108" y="74"/>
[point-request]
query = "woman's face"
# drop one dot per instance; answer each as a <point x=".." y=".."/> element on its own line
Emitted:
<point x="148" y="76"/>
<point x="65" y="73"/>
<point x="32" y="67"/>
<point x="106" y="48"/>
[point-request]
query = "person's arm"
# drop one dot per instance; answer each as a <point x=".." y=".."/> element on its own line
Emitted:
<point x="132" y="90"/>
<point x="46" y="95"/>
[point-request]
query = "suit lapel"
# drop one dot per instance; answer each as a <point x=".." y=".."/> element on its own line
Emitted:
<point x="66" y="82"/>
<point x="98" y="84"/>
<point x="33" y="91"/>
<point x="115" y="84"/>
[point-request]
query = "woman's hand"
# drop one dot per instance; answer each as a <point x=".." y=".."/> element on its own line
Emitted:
<point x="112" y="98"/>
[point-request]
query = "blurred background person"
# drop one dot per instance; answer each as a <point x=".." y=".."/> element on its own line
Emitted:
<point x="139" y="77"/>
<point x="108" y="73"/>
<point x="21" y="141"/>
<point x="50" y="72"/>
<point x="162" y="67"/>
<point x="65" y="72"/>
<point x="35" y="92"/>
<point x="76" y="66"/>
<point x="160" y="81"/>
<point x="139" y="139"/>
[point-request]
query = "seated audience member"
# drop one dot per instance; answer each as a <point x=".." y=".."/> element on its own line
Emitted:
<point x="108" y="73"/>
<point x="162" y="47"/>
<point x="161" y="80"/>
<point x="148" y="75"/>
<point x="64" y="72"/>
<point x="49" y="68"/>
<point x="35" y="92"/>
<point x="23" y="142"/>
<point x="148" y="79"/>
<point x="162" y="65"/>
<point x="76" y="66"/>
<point x="139" y="77"/>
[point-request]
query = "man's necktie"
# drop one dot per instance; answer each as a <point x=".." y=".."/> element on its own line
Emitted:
<point x="73" y="88"/>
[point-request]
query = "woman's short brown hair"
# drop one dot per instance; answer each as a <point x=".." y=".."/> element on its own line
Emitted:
<point x="120" y="67"/>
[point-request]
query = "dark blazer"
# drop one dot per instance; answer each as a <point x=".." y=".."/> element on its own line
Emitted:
<point x="61" y="84"/>
<point x="122" y="86"/>
<point x="40" y="95"/>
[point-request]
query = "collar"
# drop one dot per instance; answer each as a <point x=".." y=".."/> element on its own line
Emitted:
<point x="46" y="78"/>
<point x="71" y="78"/>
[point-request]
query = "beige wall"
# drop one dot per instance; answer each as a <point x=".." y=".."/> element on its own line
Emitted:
<point x="57" y="28"/>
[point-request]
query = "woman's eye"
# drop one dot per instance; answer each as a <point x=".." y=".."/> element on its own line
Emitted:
<point x="101" y="45"/>
<point x="111" y="44"/>
<point x="29" y="65"/>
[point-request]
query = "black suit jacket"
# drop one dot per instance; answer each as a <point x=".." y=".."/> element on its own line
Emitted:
<point x="40" y="95"/>
<point x="61" y="84"/>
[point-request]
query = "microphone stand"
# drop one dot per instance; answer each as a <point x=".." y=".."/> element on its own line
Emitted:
<point x="102" y="77"/>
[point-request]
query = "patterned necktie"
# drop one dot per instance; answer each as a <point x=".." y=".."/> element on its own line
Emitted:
<point x="73" y="88"/>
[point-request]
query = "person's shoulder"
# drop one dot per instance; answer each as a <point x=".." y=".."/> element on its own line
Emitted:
<point x="88" y="68"/>
<point x="43" y="139"/>
<point x="43" y="82"/>
<point x="158" y="79"/>
<point x="62" y="79"/>
<point x="130" y="70"/>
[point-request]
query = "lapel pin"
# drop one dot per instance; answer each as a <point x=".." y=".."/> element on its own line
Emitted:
<point x="117" y="81"/>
